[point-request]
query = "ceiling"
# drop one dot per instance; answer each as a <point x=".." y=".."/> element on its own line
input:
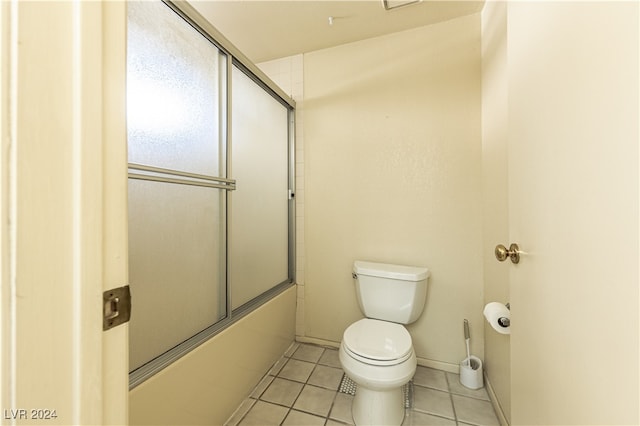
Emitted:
<point x="270" y="29"/>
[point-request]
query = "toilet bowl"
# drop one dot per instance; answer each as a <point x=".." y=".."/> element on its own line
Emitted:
<point x="379" y="357"/>
<point x="377" y="352"/>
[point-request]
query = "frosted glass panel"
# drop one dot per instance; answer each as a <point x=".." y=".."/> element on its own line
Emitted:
<point x="173" y="92"/>
<point x="175" y="265"/>
<point x="179" y="258"/>
<point x="259" y="245"/>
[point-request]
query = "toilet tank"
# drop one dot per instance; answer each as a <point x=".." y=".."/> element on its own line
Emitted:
<point x="390" y="292"/>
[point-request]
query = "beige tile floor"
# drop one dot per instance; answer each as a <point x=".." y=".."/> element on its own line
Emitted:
<point x="302" y="389"/>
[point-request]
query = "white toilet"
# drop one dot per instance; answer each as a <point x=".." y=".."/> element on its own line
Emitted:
<point x="376" y="352"/>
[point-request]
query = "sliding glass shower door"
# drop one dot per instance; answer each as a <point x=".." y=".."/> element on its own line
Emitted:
<point x="210" y="178"/>
<point x="259" y="222"/>
<point x="177" y="144"/>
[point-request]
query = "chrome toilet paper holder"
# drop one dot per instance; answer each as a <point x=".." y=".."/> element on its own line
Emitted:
<point x="503" y="321"/>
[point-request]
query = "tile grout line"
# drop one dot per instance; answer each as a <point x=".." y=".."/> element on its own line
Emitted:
<point x="333" y="401"/>
<point x="315" y="365"/>
<point x="258" y="397"/>
<point x="290" y="407"/>
<point x="453" y="407"/>
<point x="306" y="381"/>
<point x="327" y="417"/>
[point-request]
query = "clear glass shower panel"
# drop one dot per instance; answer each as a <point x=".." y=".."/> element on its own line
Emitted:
<point x="176" y="265"/>
<point x="259" y="221"/>
<point x="173" y="92"/>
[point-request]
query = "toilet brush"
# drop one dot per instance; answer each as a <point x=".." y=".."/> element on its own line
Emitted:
<point x="466" y="340"/>
<point x="471" y="375"/>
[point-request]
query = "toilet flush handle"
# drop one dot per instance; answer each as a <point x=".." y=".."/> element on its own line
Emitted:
<point x="354" y="275"/>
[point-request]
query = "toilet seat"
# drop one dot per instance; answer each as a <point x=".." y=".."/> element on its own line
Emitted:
<point x="377" y="342"/>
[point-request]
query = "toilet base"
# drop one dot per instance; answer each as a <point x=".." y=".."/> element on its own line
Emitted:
<point x="378" y="407"/>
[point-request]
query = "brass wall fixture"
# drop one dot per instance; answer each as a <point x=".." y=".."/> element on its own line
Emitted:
<point x="513" y="253"/>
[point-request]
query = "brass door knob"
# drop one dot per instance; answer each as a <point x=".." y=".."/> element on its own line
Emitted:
<point x="513" y="253"/>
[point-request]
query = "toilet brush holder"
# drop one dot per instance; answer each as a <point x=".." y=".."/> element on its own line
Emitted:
<point x="471" y="372"/>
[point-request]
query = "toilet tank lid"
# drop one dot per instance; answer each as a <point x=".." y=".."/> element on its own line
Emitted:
<point x="385" y="270"/>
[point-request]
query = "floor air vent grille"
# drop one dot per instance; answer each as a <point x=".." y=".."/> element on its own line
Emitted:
<point x="348" y="386"/>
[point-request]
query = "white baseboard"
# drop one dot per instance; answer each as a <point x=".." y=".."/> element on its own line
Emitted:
<point x="319" y="342"/>
<point x="439" y="365"/>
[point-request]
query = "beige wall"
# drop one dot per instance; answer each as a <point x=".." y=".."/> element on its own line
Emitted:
<point x="495" y="184"/>
<point x="392" y="174"/>
<point x="220" y="373"/>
